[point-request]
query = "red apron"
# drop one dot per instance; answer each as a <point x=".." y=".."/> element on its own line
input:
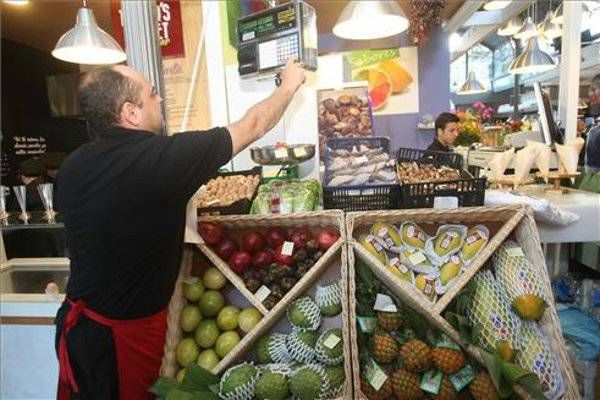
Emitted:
<point x="139" y="345"/>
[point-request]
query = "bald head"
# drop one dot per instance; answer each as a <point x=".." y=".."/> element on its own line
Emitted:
<point x="104" y="91"/>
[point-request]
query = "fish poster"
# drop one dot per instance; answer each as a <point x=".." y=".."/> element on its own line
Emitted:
<point x="393" y="77"/>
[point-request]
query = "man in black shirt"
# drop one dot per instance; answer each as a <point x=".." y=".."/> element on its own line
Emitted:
<point x="123" y="198"/>
<point x="446" y="131"/>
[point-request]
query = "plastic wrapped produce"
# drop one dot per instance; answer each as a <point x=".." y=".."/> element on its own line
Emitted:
<point x="285" y="197"/>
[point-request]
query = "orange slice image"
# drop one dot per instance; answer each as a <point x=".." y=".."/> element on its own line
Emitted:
<point x="399" y="76"/>
<point x="380" y="86"/>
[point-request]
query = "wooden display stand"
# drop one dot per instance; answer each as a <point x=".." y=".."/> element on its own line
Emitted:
<point x="509" y="181"/>
<point x="555" y="177"/>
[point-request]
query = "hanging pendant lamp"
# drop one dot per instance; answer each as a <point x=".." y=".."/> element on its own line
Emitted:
<point x="494" y="5"/>
<point x="586" y="11"/>
<point x="471" y="85"/>
<point x="527" y="31"/>
<point x="532" y="60"/>
<point x="370" y="19"/>
<point x="512" y="27"/>
<point x="548" y="28"/>
<point x="86" y="43"/>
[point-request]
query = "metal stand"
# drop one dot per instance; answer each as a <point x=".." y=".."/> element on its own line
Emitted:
<point x="555" y="177"/>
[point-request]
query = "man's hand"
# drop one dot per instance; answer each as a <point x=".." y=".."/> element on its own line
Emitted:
<point x="292" y="76"/>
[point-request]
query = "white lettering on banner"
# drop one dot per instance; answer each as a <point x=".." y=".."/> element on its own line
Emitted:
<point x="164" y="17"/>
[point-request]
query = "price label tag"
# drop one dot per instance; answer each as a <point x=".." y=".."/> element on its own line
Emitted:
<point x="515" y="252"/>
<point x="445" y="202"/>
<point x="262" y="293"/>
<point x="281" y="152"/>
<point x="431" y="381"/>
<point x="375" y="375"/>
<point x="384" y="303"/>
<point x="287" y="249"/>
<point x="367" y="324"/>
<point x="299" y="152"/>
<point x="417" y="258"/>
<point x="462" y="378"/>
<point x="331" y="341"/>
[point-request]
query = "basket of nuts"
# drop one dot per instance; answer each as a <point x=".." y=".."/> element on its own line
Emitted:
<point x="229" y="193"/>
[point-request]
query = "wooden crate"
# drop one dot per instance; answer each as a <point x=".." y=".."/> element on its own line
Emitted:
<point x="333" y="262"/>
<point x="514" y="221"/>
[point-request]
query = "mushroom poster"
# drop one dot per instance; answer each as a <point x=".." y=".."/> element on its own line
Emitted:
<point x="393" y="77"/>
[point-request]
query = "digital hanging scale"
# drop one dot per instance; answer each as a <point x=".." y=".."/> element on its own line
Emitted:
<point x="268" y="38"/>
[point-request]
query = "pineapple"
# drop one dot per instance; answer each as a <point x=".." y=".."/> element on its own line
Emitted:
<point x="523" y="286"/>
<point x="536" y="356"/>
<point x="482" y="388"/>
<point x="416" y="355"/>
<point x="448" y="360"/>
<point x="407" y="385"/>
<point x="389" y="321"/>
<point x="385" y="347"/>
<point x="447" y="391"/>
<point x="383" y="393"/>
<point x="495" y="326"/>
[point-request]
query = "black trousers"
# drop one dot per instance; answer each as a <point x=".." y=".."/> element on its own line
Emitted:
<point x="93" y="357"/>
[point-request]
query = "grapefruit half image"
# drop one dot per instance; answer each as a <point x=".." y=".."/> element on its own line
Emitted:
<point x="399" y="76"/>
<point x="380" y="85"/>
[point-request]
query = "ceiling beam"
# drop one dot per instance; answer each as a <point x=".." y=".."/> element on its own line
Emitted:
<point x="479" y="32"/>
<point x="462" y="15"/>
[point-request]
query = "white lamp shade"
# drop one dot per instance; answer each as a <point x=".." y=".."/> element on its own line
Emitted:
<point x="494" y="5"/>
<point x="370" y="19"/>
<point x="471" y="86"/>
<point x="548" y="28"/>
<point x="527" y="31"/>
<point x="532" y="60"/>
<point x="86" y="43"/>
<point x="512" y="27"/>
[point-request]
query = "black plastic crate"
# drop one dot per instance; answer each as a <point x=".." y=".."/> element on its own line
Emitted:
<point x="240" y="207"/>
<point x="437" y="158"/>
<point x="469" y="191"/>
<point x="362" y="198"/>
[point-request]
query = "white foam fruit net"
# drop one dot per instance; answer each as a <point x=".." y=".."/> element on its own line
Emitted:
<point x="299" y="351"/>
<point x="490" y="314"/>
<point x="311" y="312"/>
<point x="241" y="392"/>
<point x="536" y="356"/>
<point x="278" y="368"/>
<point x="324" y="379"/>
<point x="328" y="295"/>
<point x="277" y="348"/>
<point x="514" y="272"/>
<point x="321" y="351"/>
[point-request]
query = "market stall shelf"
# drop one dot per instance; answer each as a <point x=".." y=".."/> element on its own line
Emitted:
<point x="508" y="226"/>
<point x="556" y="177"/>
<point x="510" y="181"/>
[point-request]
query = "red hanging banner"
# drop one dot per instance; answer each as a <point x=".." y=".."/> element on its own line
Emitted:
<point x="170" y="29"/>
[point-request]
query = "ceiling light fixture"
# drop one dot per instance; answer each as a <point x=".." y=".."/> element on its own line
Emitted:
<point x="527" y="31"/>
<point x="548" y="28"/>
<point x="365" y="20"/>
<point x="86" y="43"/>
<point x="587" y="8"/>
<point x="496" y="5"/>
<point x="532" y="60"/>
<point x="512" y="26"/>
<point x="471" y="85"/>
<point x="16" y="2"/>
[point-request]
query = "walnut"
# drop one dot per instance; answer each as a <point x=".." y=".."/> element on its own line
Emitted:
<point x="331" y="119"/>
<point x="329" y="105"/>
<point x="344" y="99"/>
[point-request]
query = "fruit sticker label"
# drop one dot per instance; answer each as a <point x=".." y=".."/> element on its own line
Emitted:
<point x="410" y="231"/>
<point x="462" y="378"/>
<point x="287" y="249"/>
<point x="375" y="375"/>
<point x="331" y="341"/>
<point x="431" y="381"/>
<point x="386" y="238"/>
<point x="455" y="260"/>
<point x="515" y="252"/>
<point x="395" y="262"/>
<point x="447" y="241"/>
<point x="384" y="303"/>
<point x="473" y="238"/>
<point x="417" y="258"/>
<point x="499" y="326"/>
<point x="371" y="239"/>
<point x="367" y="324"/>
<point x="428" y="289"/>
<point x="262" y="293"/>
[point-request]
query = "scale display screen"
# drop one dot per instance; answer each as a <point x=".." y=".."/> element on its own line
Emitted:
<point x="277" y="20"/>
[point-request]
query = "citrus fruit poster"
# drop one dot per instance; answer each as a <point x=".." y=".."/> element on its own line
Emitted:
<point x="393" y="77"/>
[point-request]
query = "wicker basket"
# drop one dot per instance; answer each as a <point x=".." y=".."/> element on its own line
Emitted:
<point x="503" y="221"/>
<point x="271" y="317"/>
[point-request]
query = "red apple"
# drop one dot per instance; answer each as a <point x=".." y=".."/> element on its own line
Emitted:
<point x="300" y="236"/>
<point x="326" y="237"/>
<point x="253" y="242"/>
<point x="262" y="259"/>
<point x="282" y="259"/>
<point x="240" y="261"/>
<point x="211" y="233"/>
<point x="275" y="237"/>
<point x="225" y="248"/>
